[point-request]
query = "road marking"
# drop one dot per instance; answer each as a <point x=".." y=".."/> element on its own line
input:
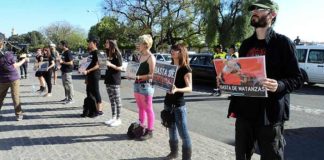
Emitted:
<point x="307" y="110"/>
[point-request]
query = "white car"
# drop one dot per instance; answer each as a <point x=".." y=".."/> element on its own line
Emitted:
<point x="163" y="57"/>
<point x="311" y="63"/>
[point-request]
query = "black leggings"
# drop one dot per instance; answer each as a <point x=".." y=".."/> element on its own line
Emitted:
<point x="48" y="79"/>
<point x="92" y="87"/>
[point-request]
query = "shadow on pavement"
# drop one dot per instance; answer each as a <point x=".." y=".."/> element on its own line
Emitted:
<point x="50" y="109"/>
<point x="9" y="143"/>
<point x="26" y="116"/>
<point x="42" y="103"/>
<point x="145" y="158"/>
<point x="304" y="142"/>
<point x="5" y="128"/>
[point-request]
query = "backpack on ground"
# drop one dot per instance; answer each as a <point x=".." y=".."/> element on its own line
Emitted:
<point x="89" y="107"/>
<point x="135" y="130"/>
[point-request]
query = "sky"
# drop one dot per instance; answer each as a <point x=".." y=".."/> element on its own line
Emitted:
<point x="303" y="18"/>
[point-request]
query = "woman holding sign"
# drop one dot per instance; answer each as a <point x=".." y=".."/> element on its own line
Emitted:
<point x="143" y="89"/>
<point x="174" y="102"/>
<point x="112" y="81"/>
<point x="39" y="74"/>
<point x="49" y="70"/>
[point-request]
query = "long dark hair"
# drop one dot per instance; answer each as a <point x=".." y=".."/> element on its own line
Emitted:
<point x="113" y="49"/>
<point x="183" y="54"/>
<point x="48" y="54"/>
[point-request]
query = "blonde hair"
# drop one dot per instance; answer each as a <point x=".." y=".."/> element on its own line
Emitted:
<point x="146" y="39"/>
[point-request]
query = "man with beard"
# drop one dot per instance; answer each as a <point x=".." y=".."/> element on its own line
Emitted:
<point x="261" y="120"/>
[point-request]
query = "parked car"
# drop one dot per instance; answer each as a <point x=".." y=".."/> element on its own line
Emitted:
<point x="311" y="63"/>
<point x="78" y="58"/>
<point x="203" y="68"/>
<point x="191" y="54"/>
<point x="163" y="57"/>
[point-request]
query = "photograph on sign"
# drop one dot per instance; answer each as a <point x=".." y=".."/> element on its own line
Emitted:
<point x="84" y="63"/>
<point x="102" y="59"/>
<point x="164" y="75"/>
<point x="131" y="70"/>
<point x="242" y="76"/>
<point x="43" y="66"/>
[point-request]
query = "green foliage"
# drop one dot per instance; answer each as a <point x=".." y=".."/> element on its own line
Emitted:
<point x="227" y="21"/>
<point x="167" y="21"/>
<point x="111" y="28"/>
<point x="64" y="31"/>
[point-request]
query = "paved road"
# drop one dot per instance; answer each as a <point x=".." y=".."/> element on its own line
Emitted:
<point x="54" y="131"/>
<point x="207" y="116"/>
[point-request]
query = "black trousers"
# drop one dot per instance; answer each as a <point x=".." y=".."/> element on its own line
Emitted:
<point x="48" y="76"/>
<point x="269" y="139"/>
<point x="92" y="87"/>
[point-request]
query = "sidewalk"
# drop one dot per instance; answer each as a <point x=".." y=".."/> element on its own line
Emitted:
<point x="54" y="131"/>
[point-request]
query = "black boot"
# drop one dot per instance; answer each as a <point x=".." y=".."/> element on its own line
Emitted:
<point x="186" y="153"/>
<point x="147" y="135"/>
<point x="174" y="150"/>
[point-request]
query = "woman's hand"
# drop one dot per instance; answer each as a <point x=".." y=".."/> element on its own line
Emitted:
<point x="108" y="63"/>
<point x="173" y="90"/>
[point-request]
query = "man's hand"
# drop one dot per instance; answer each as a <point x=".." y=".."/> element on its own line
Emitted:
<point x="270" y="84"/>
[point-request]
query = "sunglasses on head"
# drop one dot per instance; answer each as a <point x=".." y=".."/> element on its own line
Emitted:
<point x="259" y="9"/>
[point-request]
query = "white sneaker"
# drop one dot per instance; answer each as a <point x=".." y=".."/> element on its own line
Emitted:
<point x="48" y="95"/>
<point x="116" y="123"/>
<point x="110" y="121"/>
<point x="19" y="117"/>
<point x="69" y="102"/>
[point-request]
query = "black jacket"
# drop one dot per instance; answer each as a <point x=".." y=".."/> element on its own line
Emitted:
<point x="282" y="65"/>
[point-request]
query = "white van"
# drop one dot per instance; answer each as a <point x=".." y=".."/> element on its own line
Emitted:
<point x="311" y="62"/>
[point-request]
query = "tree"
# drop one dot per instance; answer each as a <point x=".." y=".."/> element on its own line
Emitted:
<point x="35" y="39"/>
<point x="227" y="22"/>
<point x="58" y="31"/>
<point x="167" y="21"/>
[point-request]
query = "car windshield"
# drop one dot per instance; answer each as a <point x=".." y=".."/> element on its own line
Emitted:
<point x="167" y="57"/>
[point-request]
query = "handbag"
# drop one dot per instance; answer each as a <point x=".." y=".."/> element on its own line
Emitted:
<point x="167" y="117"/>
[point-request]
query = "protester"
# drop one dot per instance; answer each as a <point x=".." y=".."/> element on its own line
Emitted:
<point x="232" y="52"/>
<point x="143" y="89"/>
<point x="297" y="41"/>
<point x="113" y="80"/>
<point x="56" y="57"/>
<point x="218" y="54"/>
<point x="174" y="101"/>
<point x="23" y="68"/>
<point x="39" y="74"/>
<point x="9" y="78"/>
<point x="93" y="74"/>
<point x="48" y="73"/>
<point x="261" y="120"/>
<point x="66" y="62"/>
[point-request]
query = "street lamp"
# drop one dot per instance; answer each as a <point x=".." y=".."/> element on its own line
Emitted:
<point x="95" y="12"/>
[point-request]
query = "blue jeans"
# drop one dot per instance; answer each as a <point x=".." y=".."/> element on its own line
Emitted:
<point x="144" y="88"/>
<point x="180" y="124"/>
